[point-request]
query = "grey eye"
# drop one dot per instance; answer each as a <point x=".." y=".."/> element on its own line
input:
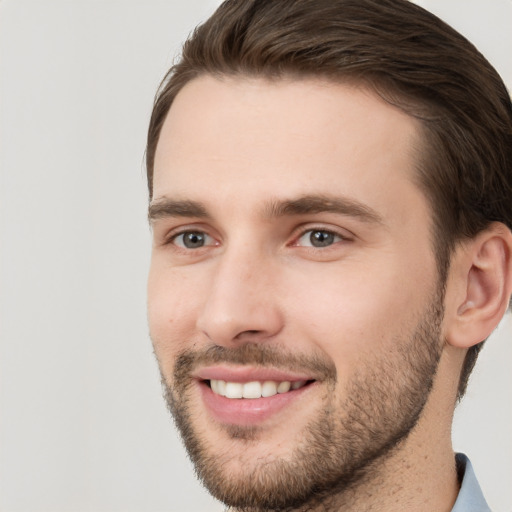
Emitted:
<point x="318" y="238"/>
<point x="192" y="240"/>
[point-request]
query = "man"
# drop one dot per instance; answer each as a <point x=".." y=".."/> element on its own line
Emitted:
<point x="331" y="202"/>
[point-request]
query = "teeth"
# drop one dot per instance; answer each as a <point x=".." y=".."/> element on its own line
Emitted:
<point x="253" y="389"/>
<point x="234" y="390"/>
<point x="221" y="387"/>
<point x="269" y="389"/>
<point x="283" y="387"/>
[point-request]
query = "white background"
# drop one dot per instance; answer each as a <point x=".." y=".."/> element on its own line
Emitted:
<point x="83" y="427"/>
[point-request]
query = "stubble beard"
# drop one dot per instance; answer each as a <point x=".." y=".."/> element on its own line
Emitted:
<point x="342" y="448"/>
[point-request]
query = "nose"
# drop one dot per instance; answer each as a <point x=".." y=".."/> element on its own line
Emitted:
<point x="242" y="303"/>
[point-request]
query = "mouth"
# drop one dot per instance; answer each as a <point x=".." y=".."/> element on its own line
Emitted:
<point x="241" y="396"/>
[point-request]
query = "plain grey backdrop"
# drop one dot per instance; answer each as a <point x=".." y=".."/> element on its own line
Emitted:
<point x="83" y="427"/>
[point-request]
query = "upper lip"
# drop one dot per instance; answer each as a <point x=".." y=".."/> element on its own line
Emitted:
<point x="248" y="374"/>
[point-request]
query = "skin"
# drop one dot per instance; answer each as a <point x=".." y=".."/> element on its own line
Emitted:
<point x="236" y="144"/>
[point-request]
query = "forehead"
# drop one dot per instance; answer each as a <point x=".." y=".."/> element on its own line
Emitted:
<point x="239" y="137"/>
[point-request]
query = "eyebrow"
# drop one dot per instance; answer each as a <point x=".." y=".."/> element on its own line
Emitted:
<point x="309" y="204"/>
<point x="312" y="204"/>
<point x="165" y="207"/>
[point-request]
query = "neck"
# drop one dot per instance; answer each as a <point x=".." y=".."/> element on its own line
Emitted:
<point x="423" y="481"/>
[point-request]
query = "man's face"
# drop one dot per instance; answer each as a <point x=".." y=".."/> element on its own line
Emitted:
<point x="292" y="264"/>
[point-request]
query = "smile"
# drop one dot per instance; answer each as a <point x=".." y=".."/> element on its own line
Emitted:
<point x="250" y="396"/>
<point x="254" y="389"/>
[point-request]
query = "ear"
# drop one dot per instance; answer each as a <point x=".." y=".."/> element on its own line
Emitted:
<point x="479" y="286"/>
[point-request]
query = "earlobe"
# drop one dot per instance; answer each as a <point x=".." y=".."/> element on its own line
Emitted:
<point x="484" y="272"/>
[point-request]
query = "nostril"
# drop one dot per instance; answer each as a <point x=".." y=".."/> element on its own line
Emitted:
<point x="248" y="334"/>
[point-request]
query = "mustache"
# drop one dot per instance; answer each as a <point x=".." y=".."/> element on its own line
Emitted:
<point x="254" y="354"/>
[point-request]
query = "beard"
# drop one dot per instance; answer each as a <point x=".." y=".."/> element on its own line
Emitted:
<point x="341" y="448"/>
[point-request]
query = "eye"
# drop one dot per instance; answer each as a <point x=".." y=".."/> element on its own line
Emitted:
<point x="318" y="238"/>
<point x="192" y="240"/>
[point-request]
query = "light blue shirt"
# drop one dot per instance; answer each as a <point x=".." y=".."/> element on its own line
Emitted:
<point x="470" y="498"/>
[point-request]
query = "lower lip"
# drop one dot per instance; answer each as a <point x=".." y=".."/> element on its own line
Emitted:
<point x="248" y="411"/>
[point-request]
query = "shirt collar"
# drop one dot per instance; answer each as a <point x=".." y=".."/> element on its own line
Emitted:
<point x="470" y="498"/>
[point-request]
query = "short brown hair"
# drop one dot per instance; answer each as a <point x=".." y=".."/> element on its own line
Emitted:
<point x="411" y="59"/>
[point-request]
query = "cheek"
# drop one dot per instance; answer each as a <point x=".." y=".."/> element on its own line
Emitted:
<point x="351" y="311"/>
<point x="170" y="313"/>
